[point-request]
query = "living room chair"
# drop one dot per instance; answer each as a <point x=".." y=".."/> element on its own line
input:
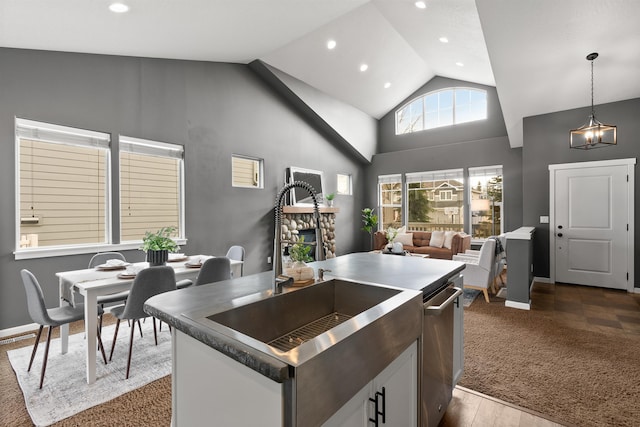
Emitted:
<point x="236" y="253"/>
<point x="214" y="270"/>
<point x="478" y="273"/>
<point x="51" y="317"/>
<point x="148" y="282"/>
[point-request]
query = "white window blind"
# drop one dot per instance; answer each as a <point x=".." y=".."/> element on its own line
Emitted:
<point x="151" y="187"/>
<point x="434" y="176"/>
<point x="63" y="191"/>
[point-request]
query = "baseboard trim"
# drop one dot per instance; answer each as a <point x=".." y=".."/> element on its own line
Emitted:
<point x="541" y="279"/>
<point x="17" y="330"/>
<point x="519" y="305"/>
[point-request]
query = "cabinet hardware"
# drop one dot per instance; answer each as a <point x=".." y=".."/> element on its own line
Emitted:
<point x="376" y="408"/>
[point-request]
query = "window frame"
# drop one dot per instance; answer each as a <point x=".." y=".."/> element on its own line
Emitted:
<point x="159" y="149"/>
<point x="390" y="179"/>
<point x="440" y="110"/>
<point x="493" y="168"/>
<point x="349" y="178"/>
<point x="71" y="136"/>
<point x="260" y="162"/>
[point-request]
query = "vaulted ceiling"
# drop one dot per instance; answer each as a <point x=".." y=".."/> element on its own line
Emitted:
<point x="533" y="51"/>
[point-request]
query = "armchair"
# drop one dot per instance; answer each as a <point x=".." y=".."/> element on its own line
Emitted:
<point x="479" y="270"/>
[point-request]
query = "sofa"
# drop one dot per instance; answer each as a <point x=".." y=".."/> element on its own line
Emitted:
<point x="444" y="245"/>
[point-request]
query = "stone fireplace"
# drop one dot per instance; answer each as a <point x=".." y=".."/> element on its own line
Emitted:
<point x="295" y="219"/>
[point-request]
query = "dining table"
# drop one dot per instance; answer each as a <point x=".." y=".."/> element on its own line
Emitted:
<point x="107" y="279"/>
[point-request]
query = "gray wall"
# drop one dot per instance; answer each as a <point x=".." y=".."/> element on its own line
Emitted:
<point x="546" y="142"/>
<point x="473" y="144"/>
<point x="214" y="109"/>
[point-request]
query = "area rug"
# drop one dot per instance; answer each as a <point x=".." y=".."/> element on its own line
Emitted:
<point x="578" y="377"/>
<point x="65" y="391"/>
<point x="469" y="296"/>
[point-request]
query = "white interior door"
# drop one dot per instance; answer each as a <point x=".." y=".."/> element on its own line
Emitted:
<point x="591" y="223"/>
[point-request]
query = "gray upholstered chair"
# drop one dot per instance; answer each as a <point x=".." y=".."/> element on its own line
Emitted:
<point x="101" y="258"/>
<point x="148" y="282"/>
<point x="214" y="270"/>
<point x="49" y="317"/>
<point x="236" y="253"/>
<point x="479" y="270"/>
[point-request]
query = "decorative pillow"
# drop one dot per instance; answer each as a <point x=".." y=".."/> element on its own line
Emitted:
<point x="448" y="238"/>
<point x="437" y="239"/>
<point x="405" y="238"/>
<point x="402" y="229"/>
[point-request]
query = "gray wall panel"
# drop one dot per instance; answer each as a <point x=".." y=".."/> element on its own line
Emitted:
<point x="546" y="142"/>
<point x="214" y="109"/>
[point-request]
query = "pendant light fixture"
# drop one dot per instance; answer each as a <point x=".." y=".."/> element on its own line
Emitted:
<point x="593" y="134"/>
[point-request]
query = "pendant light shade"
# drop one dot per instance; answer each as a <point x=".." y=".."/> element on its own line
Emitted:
<point x="593" y="134"/>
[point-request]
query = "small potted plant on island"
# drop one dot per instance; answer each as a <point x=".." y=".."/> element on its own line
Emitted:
<point x="299" y="254"/>
<point x="158" y="245"/>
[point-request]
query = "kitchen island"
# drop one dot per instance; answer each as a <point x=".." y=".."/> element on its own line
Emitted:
<point x="218" y="372"/>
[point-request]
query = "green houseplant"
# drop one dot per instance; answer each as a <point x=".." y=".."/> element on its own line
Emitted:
<point x="299" y="252"/>
<point x="370" y="221"/>
<point x="330" y="198"/>
<point x="158" y="245"/>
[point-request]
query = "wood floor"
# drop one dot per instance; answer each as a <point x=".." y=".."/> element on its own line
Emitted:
<point x="580" y="307"/>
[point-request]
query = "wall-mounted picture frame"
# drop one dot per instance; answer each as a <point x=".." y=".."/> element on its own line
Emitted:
<point x="300" y="196"/>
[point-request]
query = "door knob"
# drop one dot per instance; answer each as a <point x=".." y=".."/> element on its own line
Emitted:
<point x="559" y="234"/>
<point x="560" y="227"/>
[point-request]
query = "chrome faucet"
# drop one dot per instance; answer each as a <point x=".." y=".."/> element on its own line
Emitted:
<point x="278" y="279"/>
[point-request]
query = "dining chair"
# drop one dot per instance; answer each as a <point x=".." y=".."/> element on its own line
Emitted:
<point x="99" y="259"/>
<point x="214" y="270"/>
<point x="51" y="317"/>
<point x="148" y="282"/>
<point x="236" y="253"/>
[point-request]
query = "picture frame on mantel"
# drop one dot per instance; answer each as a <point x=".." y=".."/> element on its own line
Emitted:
<point x="300" y="196"/>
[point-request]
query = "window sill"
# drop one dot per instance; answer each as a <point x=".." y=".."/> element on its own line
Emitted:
<point x="34" y="253"/>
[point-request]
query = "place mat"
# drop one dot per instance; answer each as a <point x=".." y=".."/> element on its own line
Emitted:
<point x="105" y="267"/>
<point x="184" y="258"/>
<point x="126" y="276"/>
<point x="65" y="391"/>
<point x="192" y="265"/>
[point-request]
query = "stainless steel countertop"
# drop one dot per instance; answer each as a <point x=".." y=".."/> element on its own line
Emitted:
<point x="404" y="272"/>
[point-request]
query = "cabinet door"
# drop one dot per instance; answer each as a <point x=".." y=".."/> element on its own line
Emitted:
<point x="400" y="383"/>
<point x="354" y="413"/>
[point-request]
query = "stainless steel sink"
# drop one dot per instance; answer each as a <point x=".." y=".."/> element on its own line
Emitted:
<point x="335" y="336"/>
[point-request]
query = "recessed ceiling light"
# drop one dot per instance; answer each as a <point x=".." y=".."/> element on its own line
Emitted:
<point x="421" y="5"/>
<point x="387" y="85"/>
<point x="331" y="44"/>
<point x="444" y="39"/>
<point x="459" y="64"/>
<point x="364" y="67"/>
<point x="118" y="7"/>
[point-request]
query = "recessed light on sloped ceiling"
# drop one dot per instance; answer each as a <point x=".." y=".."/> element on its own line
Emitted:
<point x="362" y="33"/>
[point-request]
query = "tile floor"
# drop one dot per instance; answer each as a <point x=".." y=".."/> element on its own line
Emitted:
<point x="581" y="307"/>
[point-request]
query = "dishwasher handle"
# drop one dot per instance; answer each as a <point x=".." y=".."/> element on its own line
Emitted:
<point x="434" y="310"/>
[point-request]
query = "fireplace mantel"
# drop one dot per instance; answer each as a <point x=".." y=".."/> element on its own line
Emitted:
<point x="308" y="209"/>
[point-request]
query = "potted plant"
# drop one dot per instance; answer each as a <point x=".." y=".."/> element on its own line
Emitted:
<point x="158" y="245"/>
<point x="330" y="198"/>
<point x="370" y="221"/>
<point x="299" y="254"/>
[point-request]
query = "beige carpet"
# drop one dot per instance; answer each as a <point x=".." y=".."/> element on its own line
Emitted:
<point x="579" y="377"/>
<point x="149" y="405"/>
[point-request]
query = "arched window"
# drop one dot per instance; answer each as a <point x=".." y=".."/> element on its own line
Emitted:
<point x="443" y="107"/>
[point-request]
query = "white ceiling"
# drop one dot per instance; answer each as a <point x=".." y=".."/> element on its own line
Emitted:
<point x="533" y="51"/>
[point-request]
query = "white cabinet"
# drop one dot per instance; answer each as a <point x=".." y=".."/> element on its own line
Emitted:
<point x="458" y="334"/>
<point x="396" y="391"/>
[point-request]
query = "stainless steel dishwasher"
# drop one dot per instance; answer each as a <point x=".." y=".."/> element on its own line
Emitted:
<point x="437" y="353"/>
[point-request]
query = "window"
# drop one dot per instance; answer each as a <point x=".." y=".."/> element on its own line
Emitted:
<point x="62" y="178"/>
<point x="435" y="200"/>
<point x="344" y="184"/>
<point x="390" y="199"/>
<point x="485" y="194"/>
<point x="441" y="108"/>
<point x="151" y="176"/>
<point x="246" y="172"/>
